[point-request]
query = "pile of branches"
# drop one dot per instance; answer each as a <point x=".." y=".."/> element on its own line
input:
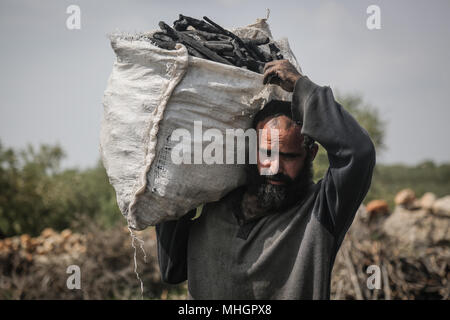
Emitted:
<point x="208" y="40"/>
<point x="106" y="261"/>
<point x="424" y="276"/>
<point x="107" y="269"/>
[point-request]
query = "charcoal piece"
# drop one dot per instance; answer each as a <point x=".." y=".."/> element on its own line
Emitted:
<point x="253" y="44"/>
<point x="162" y="36"/>
<point x="227" y="54"/>
<point x="254" y="65"/>
<point x="218" y="42"/>
<point x="209" y="36"/>
<point x="198" y="24"/>
<point x="256" y="42"/>
<point x="186" y="40"/>
<point x="168" y="45"/>
<point x="194" y="36"/>
<point x="194" y="52"/>
<point x="232" y="60"/>
<point x="273" y="47"/>
<point x="262" y="56"/>
<point x="232" y="35"/>
<point x="237" y="50"/>
<point x="275" y="52"/>
<point x="219" y="46"/>
<point x="169" y="31"/>
<point x="180" y="25"/>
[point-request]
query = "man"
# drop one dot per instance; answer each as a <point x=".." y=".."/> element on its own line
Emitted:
<point x="277" y="237"/>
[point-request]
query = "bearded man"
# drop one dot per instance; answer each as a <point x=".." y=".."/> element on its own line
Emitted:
<point x="278" y="236"/>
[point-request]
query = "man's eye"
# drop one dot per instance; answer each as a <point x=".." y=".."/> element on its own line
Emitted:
<point x="291" y="156"/>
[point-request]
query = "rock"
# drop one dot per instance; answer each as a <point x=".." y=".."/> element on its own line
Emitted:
<point x="15" y="243"/>
<point x="427" y="200"/>
<point x="25" y="241"/>
<point x="405" y="198"/>
<point x="414" y="231"/>
<point x="47" y="233"/>
<point x="25" y="238"/>
<point x="377" y="210"/>
<point x="377" y="207"/>
<point x="442" y="206"/>
<point x="7" y="242"/>
<point x="40" y="250"/>
<point x="414" y="205"/>
<point x="34" y="242"/>
<point x="66" y="233"/>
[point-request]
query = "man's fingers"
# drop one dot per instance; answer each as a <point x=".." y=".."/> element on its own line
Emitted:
<point x="269" y="74"/>
<point x="281" y="63"/>
<point x="269" y="64"/>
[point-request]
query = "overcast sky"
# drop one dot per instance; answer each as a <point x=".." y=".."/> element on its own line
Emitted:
<point x="52" y="79"/>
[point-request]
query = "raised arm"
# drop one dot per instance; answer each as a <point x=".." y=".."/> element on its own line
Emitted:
<point x="350" y="151"/>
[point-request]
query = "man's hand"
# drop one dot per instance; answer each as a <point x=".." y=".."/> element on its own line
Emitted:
<point x="282" y="73"/>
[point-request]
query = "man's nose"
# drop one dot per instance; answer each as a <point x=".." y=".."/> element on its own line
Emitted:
<point x="271" y="166"/>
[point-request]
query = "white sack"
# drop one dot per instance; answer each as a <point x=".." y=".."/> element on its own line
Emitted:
<point x="150" y="93"/>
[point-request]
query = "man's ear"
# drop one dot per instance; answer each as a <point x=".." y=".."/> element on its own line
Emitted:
<point x="314" y="150"/>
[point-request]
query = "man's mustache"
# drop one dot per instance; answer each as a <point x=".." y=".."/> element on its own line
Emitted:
<point x="279" y="177"/>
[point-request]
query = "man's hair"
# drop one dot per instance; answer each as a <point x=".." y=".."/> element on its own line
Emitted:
<point x="276" y="108"/>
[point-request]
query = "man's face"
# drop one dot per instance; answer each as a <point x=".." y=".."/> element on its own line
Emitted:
<point x="289" y="174"/>
<point x="291" y="152"/>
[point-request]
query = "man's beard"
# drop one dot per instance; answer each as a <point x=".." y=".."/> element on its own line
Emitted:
<point x="262" y="197"/>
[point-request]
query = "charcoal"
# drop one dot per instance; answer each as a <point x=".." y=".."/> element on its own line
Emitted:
<point x="209" y="36"/>
<point x="275" y="52"/>
<point x="194" y="52"/>
<point x="232" y="35"/>
<point x="162" y="36"/>
<point x="237" y="50"/>
<point x="186" y="40"/>
<point x="208" y="40"/>
<point x="198" y="24"/>
<point x="194" y="35"/>
<point x="256" y="42"/>
<point x="262" y="56"/>
<point x="181" y="25"/>
<point x="219" y="46"/>
<point x="168" y="45"/>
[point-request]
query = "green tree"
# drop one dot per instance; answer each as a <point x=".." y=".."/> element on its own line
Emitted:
<point x="367" y="116"/>
<point x="35" y="193"/>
